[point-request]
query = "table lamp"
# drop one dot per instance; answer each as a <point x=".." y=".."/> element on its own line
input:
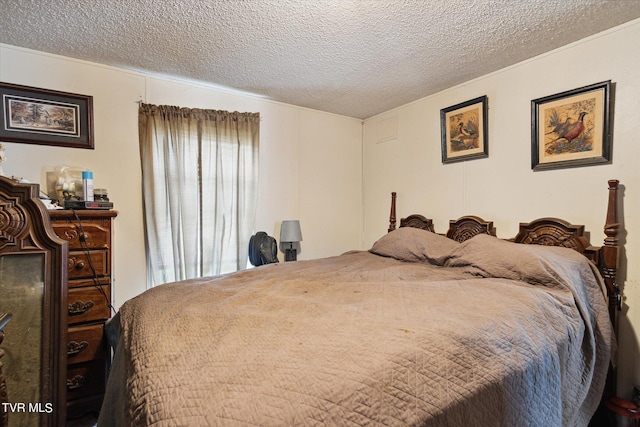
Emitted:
<point x="290" y="233"/>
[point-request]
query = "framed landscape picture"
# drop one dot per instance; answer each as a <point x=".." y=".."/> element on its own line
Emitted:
<point x="463" y="129"/>
<point x="571" y="128"/>
<point x="41" y="116"/>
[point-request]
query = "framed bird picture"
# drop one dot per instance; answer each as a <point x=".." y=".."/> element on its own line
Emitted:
<point x="463" y="129"/>
<point x="572" y="128"/>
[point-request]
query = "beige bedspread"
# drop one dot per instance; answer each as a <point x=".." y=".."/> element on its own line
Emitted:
<point x="481" y="333"/>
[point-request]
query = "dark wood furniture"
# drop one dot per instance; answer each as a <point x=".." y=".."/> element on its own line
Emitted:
<point x="90" y="234"/>
<point x="33" y="281"/>
<point x="4" y="414"/>
<point x="549" y="232"/>
<point x="466" y="227"/>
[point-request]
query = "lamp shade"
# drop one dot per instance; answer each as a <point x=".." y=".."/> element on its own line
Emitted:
<point x="290" y="231"/>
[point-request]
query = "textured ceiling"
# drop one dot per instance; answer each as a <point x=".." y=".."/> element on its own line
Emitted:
<point x="351" y="57"/>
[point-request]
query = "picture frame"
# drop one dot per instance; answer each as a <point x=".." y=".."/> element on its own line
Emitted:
<point x="41" y="116"/>
<point x="572" y="128"/>
<point x="464" y="131"/>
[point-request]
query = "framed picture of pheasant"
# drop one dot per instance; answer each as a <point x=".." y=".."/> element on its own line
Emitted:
<point x="572" y="128"/>
<point x="463" y="129"/>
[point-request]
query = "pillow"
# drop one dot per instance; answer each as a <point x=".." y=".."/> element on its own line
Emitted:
<point x="489" y="256"/>
<point x="415" y="245"/>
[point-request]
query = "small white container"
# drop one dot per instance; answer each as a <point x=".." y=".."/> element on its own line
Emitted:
<point x="87" y="185"/>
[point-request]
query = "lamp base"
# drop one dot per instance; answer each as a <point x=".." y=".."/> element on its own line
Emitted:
<point x="290" y="255"/>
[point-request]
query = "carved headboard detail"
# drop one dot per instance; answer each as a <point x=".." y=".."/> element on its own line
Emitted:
<point x="556" y="232"/>
<point x="466" y="227"/>
<point x="417" y="221"/>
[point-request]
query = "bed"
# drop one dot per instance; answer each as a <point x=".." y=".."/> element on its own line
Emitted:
<point x="422" y="329"/>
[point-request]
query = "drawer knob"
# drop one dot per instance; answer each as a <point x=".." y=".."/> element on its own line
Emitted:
<point x="76" y="382"/>
<point x="75" y="347"/>
<point x="80" y="265"/>
<point x="80" y="307"/>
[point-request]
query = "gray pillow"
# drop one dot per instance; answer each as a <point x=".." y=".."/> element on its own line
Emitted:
<point x="415" y="245"/>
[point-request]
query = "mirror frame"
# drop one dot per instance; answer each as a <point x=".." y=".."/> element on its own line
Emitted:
<point x="25" y="227"/>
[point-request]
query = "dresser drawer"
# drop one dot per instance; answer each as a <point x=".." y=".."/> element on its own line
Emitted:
<point x="89" y="304"/>
<point x="85" y="379"/>
<point x="89" y="281"/>
<point x="79" y="266"/>
<point x="94" y="236"/>
<point x="86" y="343"/>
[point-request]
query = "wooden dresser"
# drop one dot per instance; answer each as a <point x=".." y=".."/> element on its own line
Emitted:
<point x="90" y="234"/>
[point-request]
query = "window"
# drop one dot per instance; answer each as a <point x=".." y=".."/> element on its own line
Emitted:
<point x="199" y="180"/>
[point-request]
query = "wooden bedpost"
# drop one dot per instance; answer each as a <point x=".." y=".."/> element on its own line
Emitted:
<point x="392" y="214"/>
<point x="608" y="266"/>
<point x="610" y="253"/>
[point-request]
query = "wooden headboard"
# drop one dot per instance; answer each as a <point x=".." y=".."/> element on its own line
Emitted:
<point x="548" y="232"/>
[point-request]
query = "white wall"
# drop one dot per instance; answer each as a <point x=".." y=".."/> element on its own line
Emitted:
<point x="503" y="188"/>
<point x="295" y="143"/>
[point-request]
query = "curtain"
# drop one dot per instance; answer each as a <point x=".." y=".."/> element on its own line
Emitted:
<point x="199" y="184"/>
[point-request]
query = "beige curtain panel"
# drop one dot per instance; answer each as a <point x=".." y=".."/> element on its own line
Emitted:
<point x="199" y="182"/>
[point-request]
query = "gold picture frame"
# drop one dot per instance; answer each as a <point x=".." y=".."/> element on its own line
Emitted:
<point x="572" y="128"/>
